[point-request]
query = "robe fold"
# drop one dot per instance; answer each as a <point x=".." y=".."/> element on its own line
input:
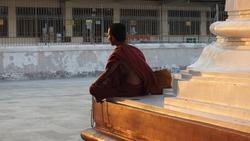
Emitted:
<point x="112" y="83"/>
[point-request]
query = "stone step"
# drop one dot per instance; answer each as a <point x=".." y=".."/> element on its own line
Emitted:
<point x="225" y="74"/>
<point x="222" y="78"/>
<point x="184" y="75"/>
<point x="216" y="92"/>
<point x="188" y="74"/>
<point x="233" y="121"/>
<point x="207" y="107"/>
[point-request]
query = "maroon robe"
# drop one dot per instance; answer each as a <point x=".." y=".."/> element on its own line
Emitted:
<point x="112" y="83"/>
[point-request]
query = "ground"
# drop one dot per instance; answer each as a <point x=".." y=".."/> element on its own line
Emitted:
<point x="44" y="110"/>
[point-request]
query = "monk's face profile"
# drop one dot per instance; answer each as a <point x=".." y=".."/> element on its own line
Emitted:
<point x="111" y="38"/>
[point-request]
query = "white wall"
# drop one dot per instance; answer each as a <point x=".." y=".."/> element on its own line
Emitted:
<point x="35" y="62"/>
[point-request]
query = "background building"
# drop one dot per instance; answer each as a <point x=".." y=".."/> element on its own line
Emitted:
<point x="76" y="21"/>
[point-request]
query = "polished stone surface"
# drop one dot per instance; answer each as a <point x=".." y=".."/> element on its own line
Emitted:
<point x="44" y="110"/>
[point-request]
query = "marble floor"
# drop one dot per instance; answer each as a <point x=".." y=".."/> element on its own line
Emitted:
<point x="44" y="110"/>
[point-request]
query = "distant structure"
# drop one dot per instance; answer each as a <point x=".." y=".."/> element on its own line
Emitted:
<point x="78" y="21"/>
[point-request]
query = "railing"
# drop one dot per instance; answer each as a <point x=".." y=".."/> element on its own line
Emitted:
<point x="7" y="42"/>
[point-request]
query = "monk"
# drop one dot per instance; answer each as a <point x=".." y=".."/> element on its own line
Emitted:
<point x="126" y="73"/>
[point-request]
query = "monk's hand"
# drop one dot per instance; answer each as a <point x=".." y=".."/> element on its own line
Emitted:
<point x="99" y="100"/>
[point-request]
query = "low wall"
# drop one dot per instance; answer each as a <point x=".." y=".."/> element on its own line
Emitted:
<point x="60" y="61"/>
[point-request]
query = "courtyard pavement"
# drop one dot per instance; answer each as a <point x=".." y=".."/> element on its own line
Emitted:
<point x="44" y="110"/>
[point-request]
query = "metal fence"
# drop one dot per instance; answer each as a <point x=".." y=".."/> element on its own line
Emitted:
<point x="81" y="23"/>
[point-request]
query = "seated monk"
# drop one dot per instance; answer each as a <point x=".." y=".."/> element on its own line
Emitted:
<point x="126" y="73"/>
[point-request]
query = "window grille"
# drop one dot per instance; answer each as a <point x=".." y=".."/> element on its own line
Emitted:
<point x="38" y="22"/>
<point x="91" y="23"/>
<point x="3" y="21"/>
<point x="141" y="23"/>
<point x="183" y="22"/>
